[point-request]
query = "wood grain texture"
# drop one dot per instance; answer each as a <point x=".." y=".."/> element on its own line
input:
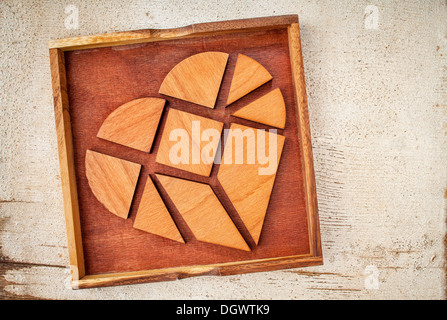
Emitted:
<point x="151" y="35"/>
<point x="153" y="216"/>
<point x="112" y="181"/>
<point x="248" y="75"/>
<point x="299" y="84"/>
<point x="244" y="182"/>
<point x="196" y="79"/>
<point x="177" y="273"/>
<point x="134" y="124"/>
<point x="203" y="212"/>
<point x="189" y="158"/>
<point x="66" y="162"/>
<point x="269" y="109"/>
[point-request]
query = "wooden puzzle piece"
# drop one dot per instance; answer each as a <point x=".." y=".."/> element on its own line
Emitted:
<point x="203" y="212"/>
<point x="270" y="109"/>
<point x="134" y="124"/>
<point x="154" y="217"/>
<point x="247" y="176"/>
<point x="196" y="79"/>
<point x="248" y="75"/>
<point x="112" y="181"/>
<point x="189" y="142"/>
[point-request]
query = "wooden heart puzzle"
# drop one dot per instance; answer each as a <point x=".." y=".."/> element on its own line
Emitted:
<point x="185" y="152"/>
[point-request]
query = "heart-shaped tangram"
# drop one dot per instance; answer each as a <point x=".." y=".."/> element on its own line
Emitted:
<point x="191" y="142"/>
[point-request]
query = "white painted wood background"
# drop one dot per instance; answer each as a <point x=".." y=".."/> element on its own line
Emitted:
<point x="377" y="86"/>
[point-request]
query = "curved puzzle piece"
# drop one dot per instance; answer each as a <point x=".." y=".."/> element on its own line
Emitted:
<point x="203" y="212"/>
<point x="112" y="181"/>
<point x="154" y="217"/>
<point x="248" y="75"/>
<point x="270" y="109"/>
<point x="134" y="124"/>
<point x="196" y="79"/>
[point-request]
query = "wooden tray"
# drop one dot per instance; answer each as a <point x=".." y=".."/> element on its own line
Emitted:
<point x="93" y="75"/>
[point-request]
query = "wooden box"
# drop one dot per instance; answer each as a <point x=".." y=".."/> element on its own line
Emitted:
<point x="92" y="75"/>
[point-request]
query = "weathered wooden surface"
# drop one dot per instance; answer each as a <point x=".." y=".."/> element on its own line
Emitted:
<point x="378" y="114"/>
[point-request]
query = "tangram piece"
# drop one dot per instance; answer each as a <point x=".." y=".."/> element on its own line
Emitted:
<point x="154" y="217"/>
<point x="189" y="142"/>
<point x="269" y="109"/>
<point x="247" y="176"/>
<point x="134" y="124"/>
<point x="203" y="212"/>
<point x="248" y="75"/>
<point x="196" y="79"/>
<point x="112" y="181"/>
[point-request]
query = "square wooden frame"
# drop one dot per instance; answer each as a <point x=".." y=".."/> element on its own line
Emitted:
<point x="66" y="154"/>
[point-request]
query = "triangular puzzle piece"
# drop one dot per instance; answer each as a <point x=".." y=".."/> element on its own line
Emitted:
<point x="134" y="124"/>
<point x="203" y="212"/>
<point x="270" y="109"/>
<point x="248" y="75"/>
<point x="196" y="79"/>
<point x="154" y="217"/>
<point x="249" y="183"/>
<point x="112" y="181"/>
